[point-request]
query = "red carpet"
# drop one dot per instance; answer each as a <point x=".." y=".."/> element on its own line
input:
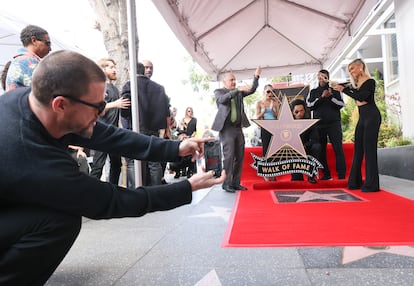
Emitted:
<point x="296" y="214"/>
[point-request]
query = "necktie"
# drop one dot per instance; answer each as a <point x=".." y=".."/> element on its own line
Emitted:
<point x="233" y="110"/>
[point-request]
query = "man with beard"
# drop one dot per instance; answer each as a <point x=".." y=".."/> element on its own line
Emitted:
<point x="111" y="116"/>
<point x="43" y="194"/>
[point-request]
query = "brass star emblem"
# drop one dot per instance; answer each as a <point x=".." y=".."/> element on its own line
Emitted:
<point x="285" y="131"/>
<point x="311" y="196"/>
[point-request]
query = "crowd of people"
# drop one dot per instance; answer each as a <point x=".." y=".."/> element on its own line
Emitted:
<point x="61" y="106"/>
<point x="324" y="102"/>
<point x="59" y="102"/>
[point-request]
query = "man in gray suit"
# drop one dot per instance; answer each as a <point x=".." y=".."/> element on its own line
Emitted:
<point x="229" y="121"/>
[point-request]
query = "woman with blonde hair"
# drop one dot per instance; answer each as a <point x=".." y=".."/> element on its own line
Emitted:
<point x="267" y="108"/>
<point x="362" y="89"/>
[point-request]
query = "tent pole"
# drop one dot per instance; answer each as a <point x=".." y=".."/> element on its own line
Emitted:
<point x="133" y="58"/>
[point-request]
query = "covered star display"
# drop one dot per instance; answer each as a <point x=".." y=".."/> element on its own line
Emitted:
<point x="285" y="131"/>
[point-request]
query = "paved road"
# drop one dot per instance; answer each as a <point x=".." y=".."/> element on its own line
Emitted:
<point x="183" y="247"/>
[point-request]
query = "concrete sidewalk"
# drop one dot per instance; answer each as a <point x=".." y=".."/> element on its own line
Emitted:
<point x="183" y="247"/>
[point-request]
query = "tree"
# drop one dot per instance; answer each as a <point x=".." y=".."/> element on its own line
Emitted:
<point x="112" y="23"/>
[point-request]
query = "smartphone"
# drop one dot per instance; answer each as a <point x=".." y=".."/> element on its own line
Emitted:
<point x="212" y="157"/>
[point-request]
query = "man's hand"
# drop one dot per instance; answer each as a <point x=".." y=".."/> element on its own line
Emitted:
<point x="123" y="103"/>
<point x="258" y="71"/>
<point x="193" y="146"/>
<point x="202" y="180"/>
<point x="327" y="93"/>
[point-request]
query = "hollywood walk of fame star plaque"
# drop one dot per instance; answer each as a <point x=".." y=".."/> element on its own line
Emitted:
<point x="286" y="153"/>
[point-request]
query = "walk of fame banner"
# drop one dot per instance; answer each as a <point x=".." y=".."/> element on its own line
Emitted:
<point x="286" y="153"/>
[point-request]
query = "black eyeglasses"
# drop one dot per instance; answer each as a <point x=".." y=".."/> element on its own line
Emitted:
<point x="100" y="106"/>
<point x="48" y="43"/>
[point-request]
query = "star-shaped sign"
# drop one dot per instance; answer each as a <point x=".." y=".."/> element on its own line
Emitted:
<point x="311" y="196"/>
<point x="285" y="130"/>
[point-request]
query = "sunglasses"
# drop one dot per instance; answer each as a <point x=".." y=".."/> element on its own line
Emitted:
<point x="100" y="106"/>
<point x="48" y="43"/>
<point x="269" y="91"/>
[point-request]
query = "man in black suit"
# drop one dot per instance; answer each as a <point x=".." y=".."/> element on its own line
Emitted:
<point x="229" y="121"/>
<point x="153" y="107"/>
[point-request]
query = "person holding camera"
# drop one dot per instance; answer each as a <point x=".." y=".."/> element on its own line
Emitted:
<point x="43" y="194"/>
<point x="326" y="104"/>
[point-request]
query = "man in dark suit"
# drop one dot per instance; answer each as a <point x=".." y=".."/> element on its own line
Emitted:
<point x="229" y="121"/>
<point x="153" y="107"/>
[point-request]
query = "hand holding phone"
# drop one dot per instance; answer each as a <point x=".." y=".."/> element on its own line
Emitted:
<point x="213" y="157"/>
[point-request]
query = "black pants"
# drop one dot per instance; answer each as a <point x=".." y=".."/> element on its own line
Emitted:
<point x="232" y="140"/>
<point x="334" y="132"/>
<point x="366" y="140"/>
<point x="99" y="159"/>
<point x="33" y="242"/>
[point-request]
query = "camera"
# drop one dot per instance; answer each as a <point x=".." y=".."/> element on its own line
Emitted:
<point x="213" y="157"/>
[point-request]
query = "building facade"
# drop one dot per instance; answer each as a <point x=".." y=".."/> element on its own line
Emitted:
<point x="385" y="42"/>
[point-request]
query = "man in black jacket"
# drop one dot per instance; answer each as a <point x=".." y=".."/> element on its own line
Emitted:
<point x="326" y="104"/>
<point x="43" y="194"/>
<point x="153" y="109"/>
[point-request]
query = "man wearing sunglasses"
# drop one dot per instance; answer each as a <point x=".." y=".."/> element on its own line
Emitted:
<point x="36" y="45"/>
<point x="43" y="194"/>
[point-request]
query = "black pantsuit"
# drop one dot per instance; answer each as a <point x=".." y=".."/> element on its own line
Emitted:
<point x="366" y="140"/>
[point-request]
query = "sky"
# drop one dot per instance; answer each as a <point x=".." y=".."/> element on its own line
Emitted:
<point x="72" y="21"/>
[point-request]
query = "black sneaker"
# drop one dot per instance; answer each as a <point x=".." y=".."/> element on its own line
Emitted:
<point x="326" y="178"/>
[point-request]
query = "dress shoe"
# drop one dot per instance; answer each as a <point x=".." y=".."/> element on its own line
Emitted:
<point x="341" y="177"/>
<point x="229" y="189"/>
<point x="240" y="188"/>
<point x="312" y="180"/>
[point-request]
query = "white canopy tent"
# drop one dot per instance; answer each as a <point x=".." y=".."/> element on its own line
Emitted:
<point x="283" y="36"/>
